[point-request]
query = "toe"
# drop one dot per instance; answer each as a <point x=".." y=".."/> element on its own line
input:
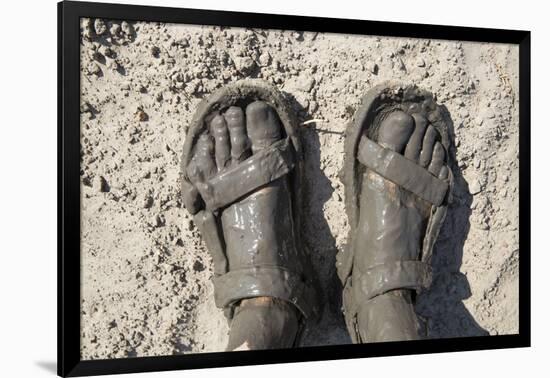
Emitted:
<point x="438" y="159"/>
<point x="427" y="146"/>
<point x="444" y="173"/>
<point x="203" y="158"/>
<point x="234" y="118"/>
<point x="414" y="145"/>
<point x="262" y="124"/>
<point x="193" y="172"/>
<point x="222" y="147"/>
<point x="395" y="130"/>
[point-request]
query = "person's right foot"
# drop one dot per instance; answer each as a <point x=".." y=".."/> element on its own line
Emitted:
<point x="392" y="224"/>
<point x="258" y="229"/>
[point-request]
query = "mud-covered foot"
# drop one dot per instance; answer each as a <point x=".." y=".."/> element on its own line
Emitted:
<point x="392" y="224"/>
<point x="258" y="229"/>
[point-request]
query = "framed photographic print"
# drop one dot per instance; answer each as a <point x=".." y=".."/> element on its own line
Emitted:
<point x="240" y="188"/>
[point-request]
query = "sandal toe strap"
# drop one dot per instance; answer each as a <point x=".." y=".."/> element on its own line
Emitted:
<point x="402" y="171"/>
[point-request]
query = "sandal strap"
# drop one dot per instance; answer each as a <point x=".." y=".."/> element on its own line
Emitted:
<point x="265" y="281"/>
<point x="382" y="278"/>
<point x="402" y="171"/>
<point x="260" y="169"/>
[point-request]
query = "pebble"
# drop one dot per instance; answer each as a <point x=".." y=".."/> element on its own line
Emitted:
<point x="158" y="220"/>
<point x="155" y="51"/>
<point x="244" y="64"/>
<point x="488" y="113"/>
<point x="305" y="84"/>
<point x="127" y="28"/>
<point x="107" y="51"/>
<point x="99" y="26"/>
<point x="93" y="69"/>
<point x="198" y="266"/>
<point x="147" y="202"/>
<point x="88" y="29"/>
<point x="373" y="68"/>
<point x="100" y="184"/>
<point x="115" y="29"/>
<point x="141" y="116"/>
<point x="86" y="107"/>
<point x="113" y="65"/>
<point x="475" y="188"/>
<point x="297" y="36"/>
<point x="182" y="42"/>
<point x="264" y="59"/>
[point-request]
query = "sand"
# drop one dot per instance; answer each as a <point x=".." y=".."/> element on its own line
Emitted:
<point x="146" y="287"/>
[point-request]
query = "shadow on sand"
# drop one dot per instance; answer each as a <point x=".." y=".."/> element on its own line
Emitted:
<point x="318" y="240"/>
<point x="441" y="306"/>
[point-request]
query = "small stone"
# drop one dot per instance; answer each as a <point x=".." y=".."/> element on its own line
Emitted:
<point x="373" y="68"/>
<point x="115" y="29"/>
<point x="141" y="116"/>
<point x="107" y="51"/>
<point x="88" y="29"/>
<point x="298" y="36"/>
<point x="93" y="69"/>
<point x="488" y="113"/>
<point x="463" y="112"/>
<point x="244" y="64"/>
<point x="306" y="84"/>
<point x="127" y="28"/>
<point x="421" y="63"/>
<point x="100" y="184"/>
<point x="264" y="59"/>
<point x="182" y="42"/>
<point x="113" y="65"/>
<point x="476" y="187"/>
<point x="86" y="107"/>
<point x="147" y="202"/>
<point x="96" y="55"/>
<point x="198" y="266"/>
<point x="155" y="51"/>
<point x="158" y="220"/>
<point x="99" y="26"/>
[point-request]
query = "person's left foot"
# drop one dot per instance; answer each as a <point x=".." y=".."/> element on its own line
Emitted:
<point x="402" y="183"/>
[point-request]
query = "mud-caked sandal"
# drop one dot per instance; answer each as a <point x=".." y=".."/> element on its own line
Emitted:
<point x="397" y="187"/>
<point x="241" y="173"/>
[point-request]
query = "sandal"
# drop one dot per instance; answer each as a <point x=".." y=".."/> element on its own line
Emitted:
<point x="244" y="192"/>
<point x="397" y="189"/>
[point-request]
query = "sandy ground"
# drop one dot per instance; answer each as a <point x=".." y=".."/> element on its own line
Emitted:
<point x="146" y="286"/>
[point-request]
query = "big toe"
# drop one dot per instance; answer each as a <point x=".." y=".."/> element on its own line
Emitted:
<point x="395" y="131"/>
<point x="263" y="125"/>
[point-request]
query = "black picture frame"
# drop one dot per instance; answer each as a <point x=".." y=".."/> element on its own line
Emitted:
<point x="69" y="13"/>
